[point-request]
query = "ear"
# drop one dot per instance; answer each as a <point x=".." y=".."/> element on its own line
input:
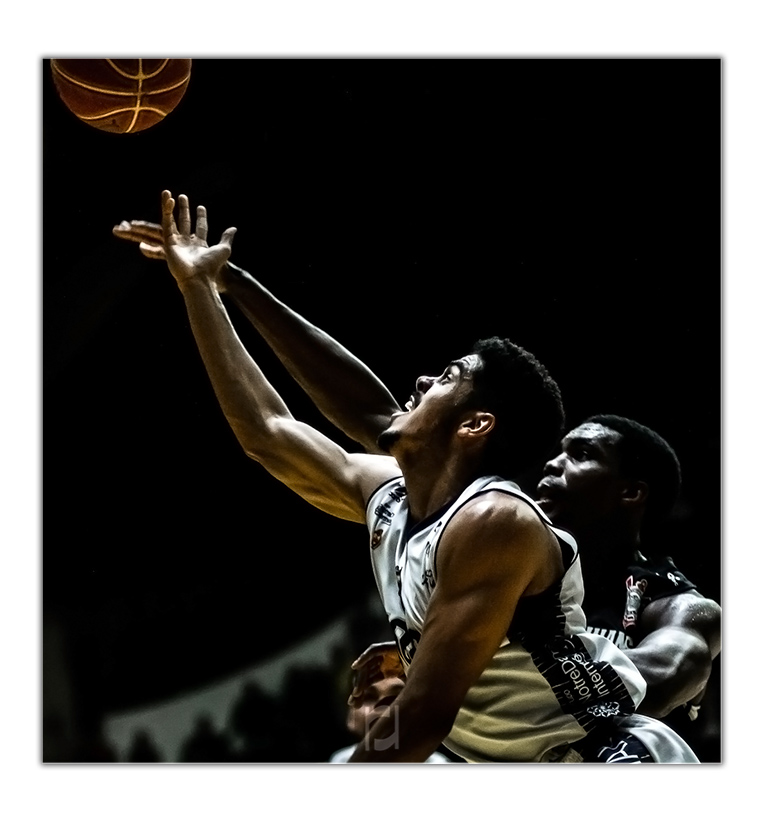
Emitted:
<point x="478" y="424"/>
<point x="635" y="493"/>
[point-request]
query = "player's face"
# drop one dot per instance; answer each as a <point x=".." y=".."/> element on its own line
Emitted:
<point x="433" y="405"/>
<point x="583" y="484"/>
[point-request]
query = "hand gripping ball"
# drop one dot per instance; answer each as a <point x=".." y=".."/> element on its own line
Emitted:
<point x="121" y="96"/>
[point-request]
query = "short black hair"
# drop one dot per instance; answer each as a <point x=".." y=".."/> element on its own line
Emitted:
<point x="646" y="456"/>
<point x="526" y="401"/>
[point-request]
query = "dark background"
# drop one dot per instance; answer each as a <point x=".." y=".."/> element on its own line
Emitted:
<point x="408" y="207"/>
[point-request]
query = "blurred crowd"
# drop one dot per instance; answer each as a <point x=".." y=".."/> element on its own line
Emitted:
<point x="307" y="721"/>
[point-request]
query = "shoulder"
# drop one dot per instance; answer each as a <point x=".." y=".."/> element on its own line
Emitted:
<point x="498" y="533"/>
<point x="662" y="577"/>
<point x="498" y="511"/>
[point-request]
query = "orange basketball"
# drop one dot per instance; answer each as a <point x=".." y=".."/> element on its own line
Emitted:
<point x="121" y="96"/>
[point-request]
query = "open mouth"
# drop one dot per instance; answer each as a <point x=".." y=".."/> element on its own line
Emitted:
<point x="413" y="402"/>
<point x="547" y="492"/>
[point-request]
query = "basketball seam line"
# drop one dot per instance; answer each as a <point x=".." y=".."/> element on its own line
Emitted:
<point x="134" y="109"/>
<point x="140" y="74"/>
<point x="115" y="93"/>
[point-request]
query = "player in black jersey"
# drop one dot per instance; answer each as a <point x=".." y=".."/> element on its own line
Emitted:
<point x="611" y="482"/>
<point x="602" y="486"/>
<point x="612" y="477"/>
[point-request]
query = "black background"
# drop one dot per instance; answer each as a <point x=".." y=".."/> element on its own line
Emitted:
<point x="408" y="207"/>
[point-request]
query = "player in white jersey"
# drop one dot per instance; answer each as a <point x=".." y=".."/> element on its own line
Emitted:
<point x="494" y="411"/>
<point x="676" y="618"/>
<point x="548" y="684"/>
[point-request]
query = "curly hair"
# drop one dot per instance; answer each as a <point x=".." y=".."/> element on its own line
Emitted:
<point x="525" y="401"/>
<point x="645" y="456"/>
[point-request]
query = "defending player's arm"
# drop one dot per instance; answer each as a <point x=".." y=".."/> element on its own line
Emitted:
<point x="489" y="557"/>
<point x="342" y="387"/>
<point x="682" y="638"/>
<point x="298" y="455"/>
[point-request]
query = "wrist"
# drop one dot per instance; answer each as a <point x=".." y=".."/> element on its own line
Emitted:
<point x="197" y="286"/>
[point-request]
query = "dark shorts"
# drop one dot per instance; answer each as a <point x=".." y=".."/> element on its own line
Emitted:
<point x="613" y="747"/>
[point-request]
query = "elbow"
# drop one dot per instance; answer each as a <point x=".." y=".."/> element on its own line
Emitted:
<point x="257" y="441"/>
<point x="664" y="692"/>
<point x="659" y="703"/>
<point x="253" y="451"/>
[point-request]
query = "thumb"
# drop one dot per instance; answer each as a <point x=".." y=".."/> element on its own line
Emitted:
<point x="227" y="238"/>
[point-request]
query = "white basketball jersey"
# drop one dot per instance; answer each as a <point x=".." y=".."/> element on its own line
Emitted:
<point x="549" y="683"/>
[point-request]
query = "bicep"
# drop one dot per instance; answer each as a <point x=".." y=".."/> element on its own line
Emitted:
<point x="673" y="649"/>
<point x="690" y="616"/>
<point x="320" y="471"/>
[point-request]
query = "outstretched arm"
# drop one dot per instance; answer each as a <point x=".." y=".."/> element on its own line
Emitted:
<point x="342" y="387"/>
<point x="675" y="657"/>
<point x="296" y="454"/>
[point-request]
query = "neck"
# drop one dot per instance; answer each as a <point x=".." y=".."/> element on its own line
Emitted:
<point x="432" y="485"/>
<point x="606" y="551"/>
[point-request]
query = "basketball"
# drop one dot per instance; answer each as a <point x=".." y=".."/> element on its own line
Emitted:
<point x="121" y="96"/>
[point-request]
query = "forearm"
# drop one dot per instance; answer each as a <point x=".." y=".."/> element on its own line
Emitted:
<point x="246" y="398"/>
<point x="674" y="673"/>
<point x="343" y="388"/>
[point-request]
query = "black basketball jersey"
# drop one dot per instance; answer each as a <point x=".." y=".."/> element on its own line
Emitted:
<point x="616" y="611"/>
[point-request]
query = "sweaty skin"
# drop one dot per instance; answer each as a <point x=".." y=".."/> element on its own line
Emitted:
<point x="479" y="587"/>
<point x="681" y="634"/>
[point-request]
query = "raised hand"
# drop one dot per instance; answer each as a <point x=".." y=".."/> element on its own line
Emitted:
<point x="188" y="255"/>
<point x="149" y="238"/>
<point x="380" y="661"/>
<point x="147" y="235"/>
